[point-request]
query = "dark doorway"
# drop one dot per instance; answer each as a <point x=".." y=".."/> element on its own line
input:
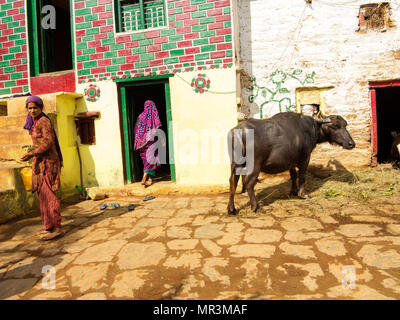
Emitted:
<point x="135" y="97"/>
<point x="50" y="47"/>
<point x="388" y="120"/>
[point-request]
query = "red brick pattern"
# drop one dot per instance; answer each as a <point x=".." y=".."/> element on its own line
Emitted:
<point x="13" y="48"/>
<point x="198" y="37"/>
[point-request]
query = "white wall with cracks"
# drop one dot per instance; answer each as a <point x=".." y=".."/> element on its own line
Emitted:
<point x="321" y="37"/>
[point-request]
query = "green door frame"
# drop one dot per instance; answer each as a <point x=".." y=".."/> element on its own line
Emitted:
<point x="127" y="136"/>
<point x="38" y="61"/>
<point x="33" y="38"/>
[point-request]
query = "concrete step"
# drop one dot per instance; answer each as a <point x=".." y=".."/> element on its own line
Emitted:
<point x="159" y="188"/>
<point x="9" y="172"/>
<point x="16" y="199"/>
<point x="13" y="122"/>
<point x="14" y="136"/>
<point x="12" y="151"/>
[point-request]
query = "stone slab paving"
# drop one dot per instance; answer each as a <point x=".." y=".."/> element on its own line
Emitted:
<point x="186" y="247"/>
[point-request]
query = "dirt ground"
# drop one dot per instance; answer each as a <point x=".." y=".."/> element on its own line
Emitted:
<point x="343" y="243"/>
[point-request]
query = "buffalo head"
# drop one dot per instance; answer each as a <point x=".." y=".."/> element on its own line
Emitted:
<point x="334" y="131"/>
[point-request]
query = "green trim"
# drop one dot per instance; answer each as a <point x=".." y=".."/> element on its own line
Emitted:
<point x="165" y="22"/>
<point x="170" y="132"/>
<point x="127" y="134"/>
<point x="144" y="78"/>
<point x="33" y="39"/>
<point x="142" y="14"/>
<point x="118" y="15"/>
<point x="125" y="131"/>
<point x="71" y="10"/>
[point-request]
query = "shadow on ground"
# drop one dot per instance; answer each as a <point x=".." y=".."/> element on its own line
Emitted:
<point x="316" y="177"/>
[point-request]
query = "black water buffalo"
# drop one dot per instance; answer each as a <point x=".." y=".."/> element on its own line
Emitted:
<point x="282" y="142"/>
<point x="394" y="151"/>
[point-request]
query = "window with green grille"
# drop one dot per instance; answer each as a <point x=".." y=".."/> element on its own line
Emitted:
<point x="132" y="15"/>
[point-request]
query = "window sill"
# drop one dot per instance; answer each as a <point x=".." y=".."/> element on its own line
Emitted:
<point x="91" y="114"/>
<point x="124" y="33"/>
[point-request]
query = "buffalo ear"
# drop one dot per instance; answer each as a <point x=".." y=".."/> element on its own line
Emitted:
<point x="394" y="134"/>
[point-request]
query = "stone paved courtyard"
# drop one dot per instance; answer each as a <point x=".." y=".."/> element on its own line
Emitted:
<point x="186" y="247"/>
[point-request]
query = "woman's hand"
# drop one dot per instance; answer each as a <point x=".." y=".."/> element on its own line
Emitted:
<point x="26" y="157"/>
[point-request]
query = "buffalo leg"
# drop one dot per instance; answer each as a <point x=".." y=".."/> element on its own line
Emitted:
<point x="293" y="176"/>
<point x="250" y="182"/>
<point x="233" y="180"/>
<point x="243" y="185"/>
<point x="302" y="179"/>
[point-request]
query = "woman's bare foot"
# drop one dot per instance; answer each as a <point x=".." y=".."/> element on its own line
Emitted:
<point x="148" y="182"/>
<point x="52" y="235"/>
<point x="44" y="232"/>
<point x="144" y="179"/>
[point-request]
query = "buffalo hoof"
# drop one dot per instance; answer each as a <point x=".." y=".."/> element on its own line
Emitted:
<point x="232" y="212"/>
<point x="293" y="193"/>
<point x="304" y="196"/>
<point x="256" y="209"/>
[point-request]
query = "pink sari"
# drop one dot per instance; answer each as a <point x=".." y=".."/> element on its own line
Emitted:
<point x="147" y="122"/>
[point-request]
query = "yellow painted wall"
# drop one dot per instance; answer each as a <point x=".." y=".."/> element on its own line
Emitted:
<point x="102" y="162"/>
<point x="201" y="122"/>
<point x="66" y="133"/>
<point x="200" y="126"/>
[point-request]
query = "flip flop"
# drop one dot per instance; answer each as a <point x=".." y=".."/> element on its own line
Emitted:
<point x="131" y="207"/>
<point x="103" y="206"/>
<point x="148" y="198"/>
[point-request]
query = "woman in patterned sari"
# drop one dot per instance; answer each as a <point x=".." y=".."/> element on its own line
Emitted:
<point x="46" y="166"/>
<point x="146" y="125"/>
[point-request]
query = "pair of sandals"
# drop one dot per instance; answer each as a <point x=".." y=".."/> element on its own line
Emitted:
<point x="50" y="235"/>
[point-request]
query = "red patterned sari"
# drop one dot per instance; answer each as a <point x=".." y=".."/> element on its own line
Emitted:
<point x="46" y="168"/>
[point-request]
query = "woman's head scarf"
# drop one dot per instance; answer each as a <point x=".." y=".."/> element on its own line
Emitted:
<point x="147" y="121"/>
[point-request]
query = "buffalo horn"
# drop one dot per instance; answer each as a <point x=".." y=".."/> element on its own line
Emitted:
<point x="323" y="120"/>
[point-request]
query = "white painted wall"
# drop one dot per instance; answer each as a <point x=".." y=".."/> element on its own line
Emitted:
<point x="102" y="162"/>
<point x="321" y="37"/>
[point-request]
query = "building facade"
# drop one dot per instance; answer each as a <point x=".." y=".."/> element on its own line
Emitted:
<point x="97" y="63"/>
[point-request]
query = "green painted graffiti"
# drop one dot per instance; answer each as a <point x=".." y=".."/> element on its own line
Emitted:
<point x="278" y="78"/>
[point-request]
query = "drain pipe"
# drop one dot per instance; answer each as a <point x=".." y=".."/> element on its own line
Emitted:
<point x="80" y="171"/>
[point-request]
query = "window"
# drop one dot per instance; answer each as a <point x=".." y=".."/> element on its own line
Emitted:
<point x="133" y="15"/>
<point x="3" y="110"/>
<point x="375" y="16"/>
<point x="85" y="128"/>
<point x="49" y="36"/>
<point x="311" y="100"/>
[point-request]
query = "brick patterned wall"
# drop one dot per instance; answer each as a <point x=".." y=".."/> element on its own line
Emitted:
<point x="13" y="48"/>
<point x="199" y="37"/>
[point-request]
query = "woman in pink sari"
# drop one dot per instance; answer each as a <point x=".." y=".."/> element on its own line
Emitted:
<point x="146" y="125"/>
<point x="46" y="166"/>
